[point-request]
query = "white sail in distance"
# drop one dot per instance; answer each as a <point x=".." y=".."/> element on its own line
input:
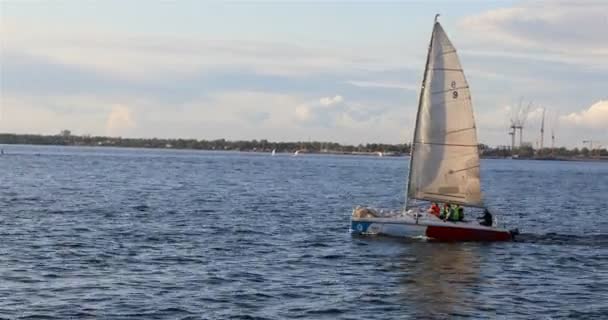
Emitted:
<point x="444" y="165"/>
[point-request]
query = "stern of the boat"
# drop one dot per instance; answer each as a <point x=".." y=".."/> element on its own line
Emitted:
<point x="371" y="221"/>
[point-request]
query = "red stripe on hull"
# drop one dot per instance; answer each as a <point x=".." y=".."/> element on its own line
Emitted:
<point x="463" y="234"/>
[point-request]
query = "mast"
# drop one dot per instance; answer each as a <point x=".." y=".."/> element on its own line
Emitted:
<point x="414" y="138"/>
<point x="542" y="131"/>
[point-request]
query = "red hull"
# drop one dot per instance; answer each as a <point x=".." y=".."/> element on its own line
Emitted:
<point x="463" y="234"/>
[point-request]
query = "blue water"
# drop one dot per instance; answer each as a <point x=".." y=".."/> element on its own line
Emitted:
<point x="103" y="233"/>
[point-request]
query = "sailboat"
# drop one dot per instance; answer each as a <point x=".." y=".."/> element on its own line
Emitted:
<point x="444" y="161"/>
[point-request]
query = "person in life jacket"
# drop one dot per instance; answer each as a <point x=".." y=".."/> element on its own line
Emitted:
<point x="453" y="216"/>
<point x="435" y="210"/>
<point x="456" y="213"/>
<point x="459" y="213"/>
<point x="445" y="212"/>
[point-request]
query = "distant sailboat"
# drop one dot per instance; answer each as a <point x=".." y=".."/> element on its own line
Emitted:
<point x="444" y="162"/>
<point x="274" y="152"/>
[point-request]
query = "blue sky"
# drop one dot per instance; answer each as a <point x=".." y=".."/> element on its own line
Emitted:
<point x="340" y="71"/>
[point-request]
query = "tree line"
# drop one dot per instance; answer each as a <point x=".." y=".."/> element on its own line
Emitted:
<point x="545" y="153"/>
<point x="65" y="138"/>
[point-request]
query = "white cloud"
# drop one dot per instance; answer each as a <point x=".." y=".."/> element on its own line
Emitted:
<point x="120" y="120"/>
<point x="330" y="101"/>
<point x="553" y="31"/>
<point x="303" y="112"/>
<point x="384" y="84"/>
<point x="139" y="57"/>
<point x="48" y="114"/>
<point x="596" y="117"/>
<point x="493" y="119"/>
<point x="294" y="118"/>
<point x="535" y="114"/>
<point x="202" y="87"/>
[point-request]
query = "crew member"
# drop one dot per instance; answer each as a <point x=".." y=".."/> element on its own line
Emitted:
<point x="435" y="210"/>
<point x="486" y="219"/>
<point x="445" y="211"/>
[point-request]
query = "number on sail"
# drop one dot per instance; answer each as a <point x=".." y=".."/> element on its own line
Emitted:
<point x="455" y="94"/>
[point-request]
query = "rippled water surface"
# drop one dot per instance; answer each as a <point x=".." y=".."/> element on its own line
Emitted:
<point x="156" y="234"/>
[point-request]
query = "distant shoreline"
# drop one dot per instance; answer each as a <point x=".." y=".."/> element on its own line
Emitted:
<point x="6" y="149"/>
<point x="304" y="153"/>
<point x="294" y="148"/>
<point x="262" y="146"/>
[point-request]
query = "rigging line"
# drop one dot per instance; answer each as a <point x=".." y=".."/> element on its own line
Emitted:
<point x="463" y="202"/>
<point x="445" y="194"/>
<point x="465" y="169"/>
<point x="460" y="99"/>
<point x="462" y="157"/>
<point x="459" y="130"/>
<point x="448" y="144"/>
<point x="449" y="90"/>
<point x="447" y="69"/>
<point x="434" y="196"/>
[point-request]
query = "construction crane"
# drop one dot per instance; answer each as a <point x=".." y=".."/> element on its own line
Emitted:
<point x="518" y="120"/>
<point x="554" y="123"/>
<point x="542" y="131"/>
<point x="512" y="134"/>
<point x="590" y="143"/>
<point x="523" y="115"/>
<point x="552" y="141"/>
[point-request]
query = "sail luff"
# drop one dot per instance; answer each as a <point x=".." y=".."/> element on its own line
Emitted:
<point x="414" y="138"/>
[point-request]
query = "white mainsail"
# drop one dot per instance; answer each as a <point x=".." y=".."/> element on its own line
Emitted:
<point x="444" y="164"/>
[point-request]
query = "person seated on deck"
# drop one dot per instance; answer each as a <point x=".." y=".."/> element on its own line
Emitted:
<point x="435" y="210"/>
<point x="454" y="213"/>
<point x="445" y="211"/>
<point x="460" y="212"/>
<point x="486" y="218"/>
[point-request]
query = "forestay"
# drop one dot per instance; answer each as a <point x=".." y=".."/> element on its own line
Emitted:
<point x="445" y="160"/>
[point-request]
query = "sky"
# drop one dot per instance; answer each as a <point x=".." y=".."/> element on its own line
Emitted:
<point x="338" y="71"/>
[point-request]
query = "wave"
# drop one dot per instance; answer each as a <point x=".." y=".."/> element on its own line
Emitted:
<point x="594" y="239"/>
